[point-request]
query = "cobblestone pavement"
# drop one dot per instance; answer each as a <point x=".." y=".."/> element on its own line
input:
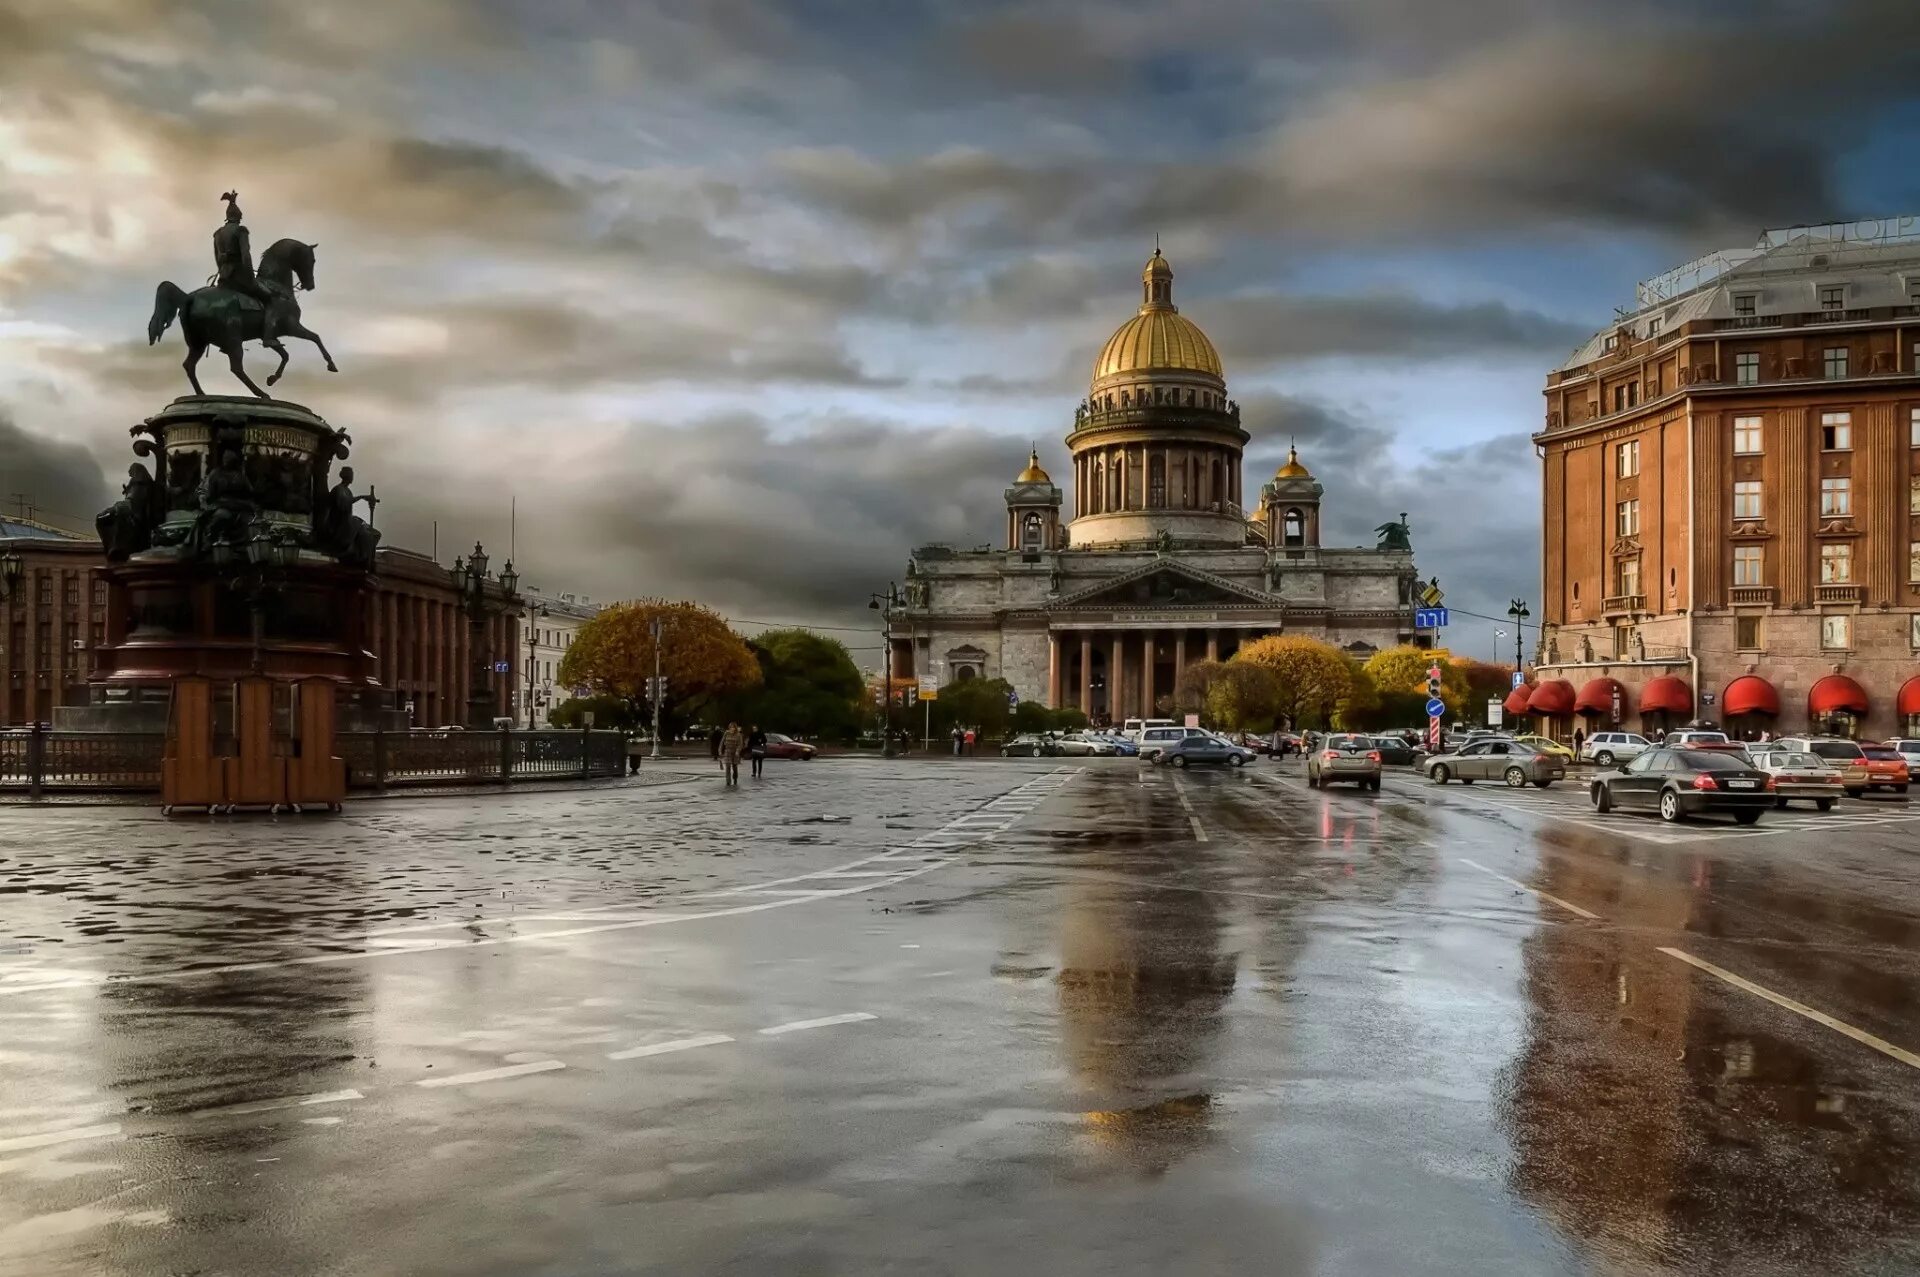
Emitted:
<point x="1055" y="1016"/>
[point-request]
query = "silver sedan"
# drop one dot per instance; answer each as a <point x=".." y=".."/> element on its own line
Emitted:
<point x="1500" y="759"/>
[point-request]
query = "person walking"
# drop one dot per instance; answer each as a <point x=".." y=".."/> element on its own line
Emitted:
<point x="958" y="740"/>
<point x="732" y="741"/>
<point x="970" y="740"/>
<point x="713" y="743"/>
<point x="1579" y="739"/>
<point x="757" y="749"/>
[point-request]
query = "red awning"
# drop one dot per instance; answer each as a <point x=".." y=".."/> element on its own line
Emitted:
<point x="1517" y="699"/>
<point x="1597" y="696"/>
<point x="1909" y="702"/>
<point x="1750" y="694"/>
<point x="1836" y="692"/>
<point x="1552" y="698"/>
<point x="1667" y="695"/>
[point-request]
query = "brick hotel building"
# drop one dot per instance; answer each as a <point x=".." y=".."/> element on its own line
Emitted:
<point x="1732" y="496"/>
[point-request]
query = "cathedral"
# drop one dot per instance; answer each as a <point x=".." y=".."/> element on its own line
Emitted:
<point x="1100" y="603"/>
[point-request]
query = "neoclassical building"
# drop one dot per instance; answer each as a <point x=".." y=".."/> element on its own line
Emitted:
<point x="1157" y="562"/>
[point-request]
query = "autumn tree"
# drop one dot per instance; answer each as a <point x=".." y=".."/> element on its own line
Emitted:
<point x="1401" y="675"/>
<point x="1242" y="696"/>
<point x="1190" y="690"/>
<point x="702" y="659"/>
<point x="1311" y="677"/>
<point x="1361" y="708"/>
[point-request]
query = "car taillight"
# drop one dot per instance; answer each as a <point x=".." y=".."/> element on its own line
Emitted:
<point x="1374" y="757"/>
<point x="1770" y="783"/>
<point x="1705" y="780"/>
<point x="1542" y="758"/>
<point x="1331" y="754"/>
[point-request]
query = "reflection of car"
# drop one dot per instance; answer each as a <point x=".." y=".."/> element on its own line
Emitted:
<point x="1684" y="782"/>
<point x="1204" y="747"/>
<point x="1797" y="774"/>
<point x="1608" y="748"/>
<point x="1025" y="745"/>
<point x="1348" y="758"/>
<point x="1498" y="758"/>
<point x="1396" y="751"/>
<point x="1886" y="768"/>
<point x="1844" y="756"/>
<point x="1542" y="745"/>
<point x="783" y="746"/>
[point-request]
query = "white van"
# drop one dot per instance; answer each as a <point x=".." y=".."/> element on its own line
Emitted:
<point x="1133" y="727"/>
<point x="1154" y="738"/>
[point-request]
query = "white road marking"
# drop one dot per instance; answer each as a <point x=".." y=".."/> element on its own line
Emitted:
<point x="795" y="1026"/>
<point x="291" y="1101"/>
<point x="493" y="1075"/>
<point x="668" y="1048"/>
<point x="1199" y="834"/>
<point x="1532" y="891"/>
<point x="19" y="1142"/>
<point x="1781" y="1000"/>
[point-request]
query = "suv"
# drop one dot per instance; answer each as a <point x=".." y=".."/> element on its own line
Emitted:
<point x="1607" y="748"/>
<point x="1844" y="756"/>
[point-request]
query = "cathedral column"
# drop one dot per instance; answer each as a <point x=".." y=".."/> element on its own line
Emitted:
<point x="1213" y="645"/>
<point x="1179" y="655"/>
<point x="1146" y="675"/>
<point x="1053" y="669"/>
<point x="1116" y="675"/>
<point x="1086" y="675"/>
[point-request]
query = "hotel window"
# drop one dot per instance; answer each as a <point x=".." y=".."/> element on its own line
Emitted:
<point x="1836" y="361"/>
<point x="1913" y="631"/>
<point x="1746" y="435"/>
<point x="1748" y="566"/>
<point x="1626" y="518"/>
<point x="1746" y="499"/>
<point x="1913" y="494"/>
<point x="1629" y="576"/>
<point x="1836" y="498"/>
<point x="1746" y="368"/>
<point x="1619" y="398"/>
<point x="1628" y="458"/>
<point x="1836" y="564"/>
<point x="1913" y="427"/>
<point x="1746" y="633"/>
<point x="1836" y="631"/>
<point x="1622" y="641"/>
<point x="1833" y="299"/>
<point x="1613" y="339"/>
<point x="1745" y="304"/>
<point x="1836" y="431"/>
<point x="1913" y="567"/>
<point x="1653" y="327"/>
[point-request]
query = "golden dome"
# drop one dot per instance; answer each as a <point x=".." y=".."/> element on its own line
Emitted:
<point x="1033" y="473"/>
<point x="1158" y="338"/>
<point x="1293" y="469"/>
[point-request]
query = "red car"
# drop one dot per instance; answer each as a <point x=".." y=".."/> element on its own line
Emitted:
<point x="779" y="746"/>
<point x="1886" y="768"/>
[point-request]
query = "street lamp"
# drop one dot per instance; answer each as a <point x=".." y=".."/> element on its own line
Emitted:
<point x="12" y="567"/>
<point x="884" y="604"/>
<point x="470" y="582"/>
<point x="1518" y="611"/>
<point x="533" y="637"/>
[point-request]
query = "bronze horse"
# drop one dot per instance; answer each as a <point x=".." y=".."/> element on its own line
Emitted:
<point x="227" y="319"/>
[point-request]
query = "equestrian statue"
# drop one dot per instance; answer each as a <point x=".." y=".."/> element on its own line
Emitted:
<point x="239" y="305"/>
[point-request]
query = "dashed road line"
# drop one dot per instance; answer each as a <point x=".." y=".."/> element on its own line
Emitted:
<point x="796" y="1026"/>
<point x="1798" y="1008"/>
<point x="1199" y="834"/>
<point x="47" y="1139"/>
<point x="669" y="1048"/>
<point x="291" y="1101"/>
<point x="493" y="1075"/>
<point x="1532" y="891"/>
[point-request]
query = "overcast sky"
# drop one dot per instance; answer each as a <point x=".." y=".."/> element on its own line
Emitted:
<point x="741" y="299"/>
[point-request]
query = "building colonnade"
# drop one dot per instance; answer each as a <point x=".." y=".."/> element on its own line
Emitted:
<point x="1154" y="476"/>
<point x="1120" y="673"/>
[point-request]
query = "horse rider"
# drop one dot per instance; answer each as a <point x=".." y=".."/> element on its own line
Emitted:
<point x="233" y="269"/>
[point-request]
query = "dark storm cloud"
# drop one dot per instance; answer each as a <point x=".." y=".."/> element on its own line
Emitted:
<point x="62" y="481"/>
<point x="1251" y="331"/>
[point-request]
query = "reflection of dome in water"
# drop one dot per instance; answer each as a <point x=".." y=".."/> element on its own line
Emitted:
<point x="1158" y="338"/>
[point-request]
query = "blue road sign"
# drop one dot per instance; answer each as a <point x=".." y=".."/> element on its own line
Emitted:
<point x="1013" y="699"/>
<point x="1436" y="708"/>
<point x="1429" y="618"/>
<point x="501" y="667"/>
<point x="1519" y="679"/>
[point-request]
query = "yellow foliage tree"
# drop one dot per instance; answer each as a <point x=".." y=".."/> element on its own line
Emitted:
<point x="1311" y="678"/>
<point x="702" y="658"/>
<point x="1404" y="669"/>
<point x="1242" y="697"/>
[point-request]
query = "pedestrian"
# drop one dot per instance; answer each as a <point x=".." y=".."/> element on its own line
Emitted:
<point x="1579" y="738"/>
<point x="969" y="740"/>
<point x="757" y="749"/>
<point x="732" y="741"/>
<point x="1765" y="735"/>
<point x="634" y="750"/>
<point x="713" y="743"/>
<point x="958" y="740"/>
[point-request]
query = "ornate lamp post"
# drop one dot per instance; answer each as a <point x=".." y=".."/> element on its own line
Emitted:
<point x="533" y="636"/>
<point x="12" y="567"/>
<point x="885" y="605"/>
<point x="1518" y="611"/>
<point x="470" y="579"/>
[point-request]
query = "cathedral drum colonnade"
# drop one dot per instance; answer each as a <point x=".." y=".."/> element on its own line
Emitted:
<point x="1158" y="564"/>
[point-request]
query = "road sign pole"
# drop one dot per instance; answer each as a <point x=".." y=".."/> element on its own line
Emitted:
<point x="659" y="628"/>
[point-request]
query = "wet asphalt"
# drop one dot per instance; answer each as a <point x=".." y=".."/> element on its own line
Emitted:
<point x="1052" y="1016"/>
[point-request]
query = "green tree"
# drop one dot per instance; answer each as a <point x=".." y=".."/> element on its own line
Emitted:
<point x="1313" y="677"/>
<point x="703" y="660"/>
<point x="809" y="686"/>
<point x="1195" y="682"/>
<point x="1242" y="696"/>
<point x="979" y="703"/>
<point x="608" y="712"/>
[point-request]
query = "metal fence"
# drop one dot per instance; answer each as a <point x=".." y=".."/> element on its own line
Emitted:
<point x="39" y="760"/>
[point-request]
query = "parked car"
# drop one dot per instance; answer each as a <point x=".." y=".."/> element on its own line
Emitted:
<point x="1843" y="755"/>
<point x="1604" y="749"/>
<point x="1797" y="774"/>
<point x="1076" y="745"/>
<point x="1204" y="747"/>
<point x="1679" y="783"/>
<point x="1909" y="747"/>
<point x="1497" y="758"/>
<point x="1135" y="729"/>
<point x="781" y="746"/>
<point x="1026" y="745"/>
<point x="1119" y="744"/>
<point x="1546" y="745"/>
<point x="1886" y="768"/>
<point x="1344" y="757"/>
<point x="1691" y="738"/>
<point x="1155" y="739"/>
<point x="1396" y="750"/>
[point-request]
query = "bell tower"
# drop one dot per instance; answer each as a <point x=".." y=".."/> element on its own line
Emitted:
<point x="1033" y="511"/>
<point x="1291" y="501"/>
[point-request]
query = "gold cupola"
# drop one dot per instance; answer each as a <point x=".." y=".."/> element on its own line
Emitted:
<point x="1292" y="469"/>
<point x="1158" y="338"/>
<point x="1033" y="473"/>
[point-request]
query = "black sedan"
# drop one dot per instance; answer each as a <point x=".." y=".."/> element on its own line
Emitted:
<point x="1679" y="783"/>
<point x="1396" y="751"/>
